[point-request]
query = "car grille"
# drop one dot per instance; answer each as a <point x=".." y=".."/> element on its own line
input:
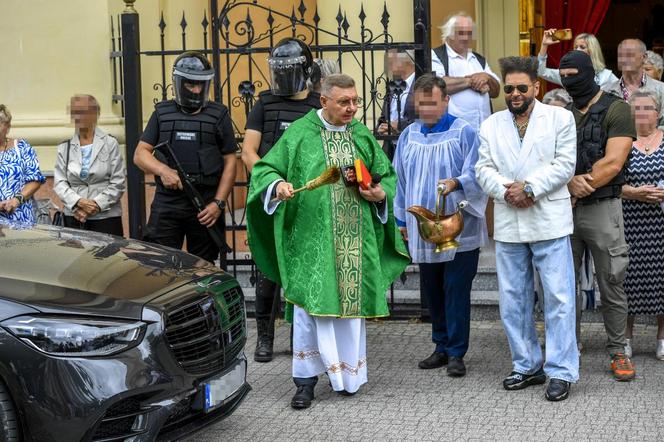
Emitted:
<point x="117" y="424"/>
<point x="203" y="338"/>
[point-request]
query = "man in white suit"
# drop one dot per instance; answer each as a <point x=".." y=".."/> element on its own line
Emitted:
<point x="526" y="157"/>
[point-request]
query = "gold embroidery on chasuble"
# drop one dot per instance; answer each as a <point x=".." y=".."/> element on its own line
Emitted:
<point x="347" y="223"/>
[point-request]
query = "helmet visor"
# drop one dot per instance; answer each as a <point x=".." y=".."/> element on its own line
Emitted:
<point x="192" y="95"/>
<point x="287" y="75"/>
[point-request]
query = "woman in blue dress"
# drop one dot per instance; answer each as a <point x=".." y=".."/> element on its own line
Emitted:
<point x="20" y="176"/>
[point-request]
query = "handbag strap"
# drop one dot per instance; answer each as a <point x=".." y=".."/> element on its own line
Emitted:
<point x="67" y="164"/>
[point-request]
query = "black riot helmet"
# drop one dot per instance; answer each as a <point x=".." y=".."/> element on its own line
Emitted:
<point x="290" y="66"/>
<point x="192" y="75"/>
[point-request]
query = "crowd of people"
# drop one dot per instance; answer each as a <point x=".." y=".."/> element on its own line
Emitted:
<point x="579" y="173"/>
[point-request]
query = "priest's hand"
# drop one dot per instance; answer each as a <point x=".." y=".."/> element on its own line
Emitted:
<point x="285" y="191"/>
<point x="373" y="194"/>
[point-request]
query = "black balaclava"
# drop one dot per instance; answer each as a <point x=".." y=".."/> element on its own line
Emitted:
<point x="581" y="87"/>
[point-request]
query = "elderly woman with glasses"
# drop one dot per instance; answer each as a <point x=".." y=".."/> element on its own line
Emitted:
<point x="585" y="42"/>
<point x="644" y="218"/>
<point x="90" y="173"/>
<point x="20" y="176"/>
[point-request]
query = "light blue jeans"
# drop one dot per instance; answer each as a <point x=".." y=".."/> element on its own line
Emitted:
<point x="553" y="260"/>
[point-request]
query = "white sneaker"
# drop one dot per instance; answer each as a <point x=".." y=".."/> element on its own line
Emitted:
<point x="628" y="348"/>
<point x="660" y="350"/>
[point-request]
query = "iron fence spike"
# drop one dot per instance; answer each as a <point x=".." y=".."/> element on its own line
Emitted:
<point x="205" y="21"/>
<point x="162" y="23"/>
<point x="302" y="9"/>
<point x="183" y="22"/>
<point x="362" y="15"/>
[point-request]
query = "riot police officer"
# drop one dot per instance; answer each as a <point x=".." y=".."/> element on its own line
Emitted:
<point x="291" y="64"/>
<point x="201" y="137"/>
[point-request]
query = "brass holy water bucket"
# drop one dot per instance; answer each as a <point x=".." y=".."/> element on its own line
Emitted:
<point x="437" y="228"/>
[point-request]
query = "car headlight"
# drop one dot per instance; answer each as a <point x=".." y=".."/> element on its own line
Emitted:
<point x="75" y="337"/>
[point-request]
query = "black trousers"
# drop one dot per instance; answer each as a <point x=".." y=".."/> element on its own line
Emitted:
<point x="447" y="286"/>
<point x="112" y="226"/>
<point x="169" y="226"/>
<point x="265" y="296"/>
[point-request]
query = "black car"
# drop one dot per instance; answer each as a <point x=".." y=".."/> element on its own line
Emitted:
<point x="108" y="339"/>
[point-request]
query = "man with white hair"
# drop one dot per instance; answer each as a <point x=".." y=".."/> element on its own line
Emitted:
<point x="470" y="82"/>
<point x="631" y="58"/>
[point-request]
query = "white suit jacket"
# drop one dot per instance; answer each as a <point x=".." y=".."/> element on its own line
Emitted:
<point x="546" y="160"/>
<point x="105" y="183"/>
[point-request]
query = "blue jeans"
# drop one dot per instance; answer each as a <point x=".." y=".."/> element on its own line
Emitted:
<point x="553" y="260"/>
<point x="446" y="287"/>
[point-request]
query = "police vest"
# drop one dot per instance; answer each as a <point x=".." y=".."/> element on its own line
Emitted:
<point x="193" y="139"/>
<point x="591" y="141"/>
<point x="279" y="113"/>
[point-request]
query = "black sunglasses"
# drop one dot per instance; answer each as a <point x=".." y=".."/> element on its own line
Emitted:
<point x="509" y="88"/>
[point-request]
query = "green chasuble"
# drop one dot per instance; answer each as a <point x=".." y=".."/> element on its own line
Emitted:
<point x="326" y="247"/>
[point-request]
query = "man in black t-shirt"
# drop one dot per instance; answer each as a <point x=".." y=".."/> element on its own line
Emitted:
<point x="605" y="132"/>
<point x="201" y="137"/>
<point x="290" y="66"/>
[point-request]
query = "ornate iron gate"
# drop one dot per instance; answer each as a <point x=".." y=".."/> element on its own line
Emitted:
<point x="230" y="37"/>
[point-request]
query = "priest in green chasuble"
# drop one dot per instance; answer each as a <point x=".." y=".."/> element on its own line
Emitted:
<point x="335" y="249"/>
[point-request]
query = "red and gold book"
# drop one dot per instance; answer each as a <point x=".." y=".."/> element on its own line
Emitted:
<point x="363" y="175"/>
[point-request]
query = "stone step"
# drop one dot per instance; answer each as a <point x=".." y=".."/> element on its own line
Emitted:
<point x="406" y="304"/>
<point x="483" y="306"/>
<point x="485" y="280"/>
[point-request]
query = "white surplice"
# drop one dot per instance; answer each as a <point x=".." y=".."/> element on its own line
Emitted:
<point x="336" y="346"/>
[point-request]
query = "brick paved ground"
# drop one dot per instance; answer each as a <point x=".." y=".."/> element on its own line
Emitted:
<point x="401" y="402"/>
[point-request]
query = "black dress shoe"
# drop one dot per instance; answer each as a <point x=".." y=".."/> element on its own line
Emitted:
<point x="558" y="390"/>
<point x="346" y="393"/>
<point x="303" y="397"/>
<point x="518" y="381"/>
<point x="436" y="360"/>
<point x="455" y="367"/>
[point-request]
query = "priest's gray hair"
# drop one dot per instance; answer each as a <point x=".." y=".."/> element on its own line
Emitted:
<point x="447" y="29"/>
<point x="342" y="81"/>
<point x="645" y="93"/>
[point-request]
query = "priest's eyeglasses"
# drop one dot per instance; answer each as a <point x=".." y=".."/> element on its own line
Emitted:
<point x="509" y="88"/>
<point x="348" y="101"/>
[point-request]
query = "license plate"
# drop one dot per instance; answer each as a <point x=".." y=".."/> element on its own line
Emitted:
<point x="219" y="389"/>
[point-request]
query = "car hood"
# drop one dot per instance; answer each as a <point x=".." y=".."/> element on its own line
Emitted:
<point x="58" y="270"/>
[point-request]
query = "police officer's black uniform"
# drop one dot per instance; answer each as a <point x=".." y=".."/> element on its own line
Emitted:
<point x="200" y="134"/>
<point x="290" y="65"/>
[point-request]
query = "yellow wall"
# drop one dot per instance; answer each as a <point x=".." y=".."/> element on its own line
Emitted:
<point x="498" y="21"/>
<point x="56" y="48"/>
<point x="53" y="49"/>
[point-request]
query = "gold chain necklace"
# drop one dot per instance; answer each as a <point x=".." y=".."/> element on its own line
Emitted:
<point x="521" y="128"/>
<point x="646" y="145"/>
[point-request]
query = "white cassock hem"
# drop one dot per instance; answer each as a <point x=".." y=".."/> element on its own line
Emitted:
<point x="330" y="345"/>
